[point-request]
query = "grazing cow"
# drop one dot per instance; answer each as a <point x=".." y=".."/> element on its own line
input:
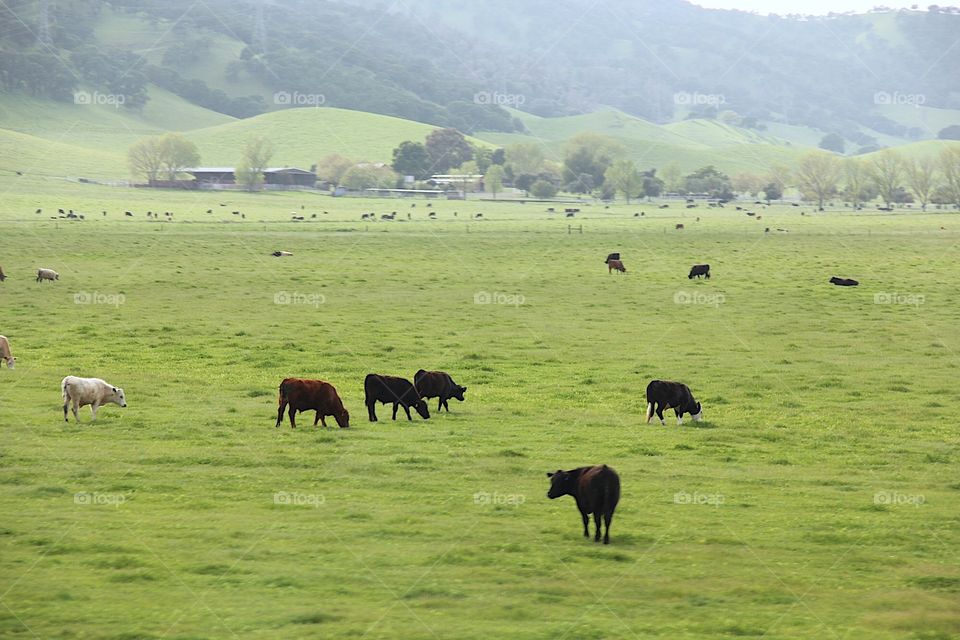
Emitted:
<point x="128" y="214"/>
<point x="612" y="256"/>
<point x="679" y="226"/>
<point x="311" y="395"/>
<point x="691" y="206"/>
<point x="3" y="276"/>
<point x="699" y="270"/>
<point x="432" y="215"/>
<point x="664" y="206"/>
<point x="280" y="254"/>
<point x="6" y="354"/>
<point x="47" y="274"/>
<point x="392" y="390"/>
<point x="570" y="214"/>
<point x="844" y="282"/>
<point x="663" y="395"/>
<point x="615" y="265"/>
<point x="596" y="490"/>
<point x="89" y="391"/>
<point x="437" y="384"/>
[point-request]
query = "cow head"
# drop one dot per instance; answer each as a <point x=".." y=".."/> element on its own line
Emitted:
<point x="458" y="392"/>
<point x="118" y="397"/>
<point x="697" y="414"/>
<point x="343" y="418"/>
<point x="11" y="362"/>
<point x="421" y="408"/>
<point x="561" y="483"/>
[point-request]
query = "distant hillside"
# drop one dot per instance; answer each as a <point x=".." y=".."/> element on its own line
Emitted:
<point x="457" y="64"/>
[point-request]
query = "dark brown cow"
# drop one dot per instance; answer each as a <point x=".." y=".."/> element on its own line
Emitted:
<point x="3" y="276"/>
<point x="392" y="390"/>
<point x="615" y="265"/>
<point x="311" y="395"/>
<point x="438" y="384"/>
<point x="679" y="226"/>
<point x="596" y="490"/>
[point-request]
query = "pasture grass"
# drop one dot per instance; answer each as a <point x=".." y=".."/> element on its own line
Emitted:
<point x="818" y="498"/>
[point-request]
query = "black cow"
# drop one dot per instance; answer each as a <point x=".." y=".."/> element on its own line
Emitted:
<point x="612" y="256"/>
<point x="699" y="270"/>
<point x="843" y="282"/>
<point x="438" y="384"/>
<point x="663" y="394"/>
<point x="596" y="490"/>
<point x="395" y="391"/>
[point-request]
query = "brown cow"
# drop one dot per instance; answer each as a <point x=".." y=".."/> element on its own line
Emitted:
<point x="679" y="226"/>
<point x="3" y="276"/>
<point x="596" y="490"/>
<point x="311" y="395"/>
<point x="615" y="265"/>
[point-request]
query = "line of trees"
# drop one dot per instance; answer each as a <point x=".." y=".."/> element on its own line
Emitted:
<point x="166" y="156"/>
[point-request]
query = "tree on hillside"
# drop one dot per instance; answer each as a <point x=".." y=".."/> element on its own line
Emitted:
<point x="950" y="170"/>
<point x="832" y="142"/>
<point x="543" y="189"/>
<point x="369" y="176"/>
<point x="921" y="178"/>
<point x="748" y="183"/>
<point x="524" y="158"/>
<point x="178" y="154"/>
<point x="710" y="181"/>
<point x="588" y="154"/>
<point x="447" y="149"/>
<point x="332" y="167"/>
<point x="493" y="180"/>
<point x="411" y="159"/>
<point x="672" y="178"/>
<point x="780" y="175"/>
<point x="624" y="177"/>
<point x="951" y="132"/>
<point x="887" y="170"/>
<point x="772" y="191"/>
<point x="256" y="158"/>
<point x="652" y="185"/>
<point x="145" y="158"/>
<point x="856" y="179"/>
<point x="483" y="156"/>
<point x="817" y="175"/>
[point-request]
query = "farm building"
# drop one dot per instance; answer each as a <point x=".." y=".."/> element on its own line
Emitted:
<point x="275" y="176"/>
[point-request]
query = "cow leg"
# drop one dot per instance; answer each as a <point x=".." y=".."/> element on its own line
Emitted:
<point x="322" y="419"/>
<point x="607" y="517"/>
<point x="372" y="411"/>
<point x="445" y="405"/>
<point x="76" y="410"/>
<point x="407" y="409"/>
<point x="596" y="522"/>
<point x="439" y="404"/>
<point x="292" y="413"/>
<point x="283" y="406"/>
<point x="395" y="406"/>
<point x="679" y="417"/>
<point x="660" y="409"/>
<point x="66" y="406"/>
<point x="93" y="410"/>
<point x="586" y="523"/>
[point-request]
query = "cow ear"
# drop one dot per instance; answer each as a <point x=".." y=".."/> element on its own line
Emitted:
<point x="463" y="388"/>
<point x="549" y="474"/>
<point x="114" y="389"/>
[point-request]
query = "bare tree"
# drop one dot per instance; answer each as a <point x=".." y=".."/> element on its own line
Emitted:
<point x="817" y="175"/>
<point x="921" y="176"/>
<point x="887" y="170"/>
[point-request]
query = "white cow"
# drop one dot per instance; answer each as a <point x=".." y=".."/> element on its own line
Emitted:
<point x="89" y="391"/>
<point x="47" y="274"/>
<point x="5" y="352"/>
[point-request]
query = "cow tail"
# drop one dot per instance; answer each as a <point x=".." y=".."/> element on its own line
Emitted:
<point x="63" y="389"/>
<point x="649" y="410"/>
<point x="280" y="395"/>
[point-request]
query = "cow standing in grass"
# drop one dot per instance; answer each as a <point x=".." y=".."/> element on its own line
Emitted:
<point x="95" y="392"/>
<point x="311" y="395"/>
<point x="392" y="390"/>
<point x="699" y="270"/>
<point x="6" y="354"/>
<point x="596" y="490"/>
<point x="438" y="384"/>
<point x="3" y="276"/>
<point x="47" y="274"/>
<point x="664" y="394"/>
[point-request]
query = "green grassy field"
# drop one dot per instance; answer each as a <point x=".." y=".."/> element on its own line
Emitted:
<point x="817" y="499"/>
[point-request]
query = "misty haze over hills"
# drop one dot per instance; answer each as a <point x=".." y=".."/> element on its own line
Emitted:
<point x="457" y="65"/>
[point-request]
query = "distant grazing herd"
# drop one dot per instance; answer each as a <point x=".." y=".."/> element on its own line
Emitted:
<point x="595" y="489"/>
